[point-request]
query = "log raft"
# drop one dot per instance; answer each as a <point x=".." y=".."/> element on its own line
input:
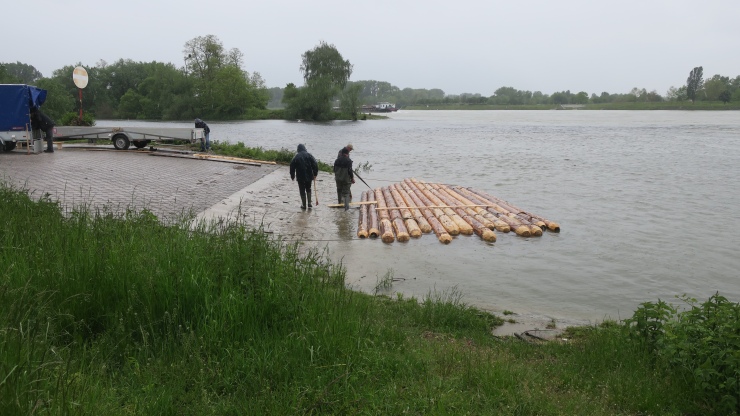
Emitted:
<point x="413" y="207"/>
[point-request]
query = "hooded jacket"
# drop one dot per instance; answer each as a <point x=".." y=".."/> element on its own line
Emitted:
<point x="303" y="166"/>
<point x="343" y="168"/>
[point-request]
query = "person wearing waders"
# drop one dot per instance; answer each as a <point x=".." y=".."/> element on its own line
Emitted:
<point x="304" y="168"/>
<point x="344" y="176"/>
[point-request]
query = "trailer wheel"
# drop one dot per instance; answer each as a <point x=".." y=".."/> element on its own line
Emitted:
<point x="121" y="142"/>
<point x="140" y="144"/>
<point x="9" y="146"/>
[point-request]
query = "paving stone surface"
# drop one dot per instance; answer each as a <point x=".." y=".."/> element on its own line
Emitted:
<point x="127" y="179"/>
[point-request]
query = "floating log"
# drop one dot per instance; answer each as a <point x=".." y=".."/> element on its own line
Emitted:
<point x="363" y="219"/>
<point x="552" y="226"/>
<point x="516" y="225"/>
<point x="386" y="228"/>
<point x="415" y="212"/>
<point x="475" y="212"/>
<point x="439" y="230"/>
<point x="477" y="226"/>
<point x="498" y="225"/>
<point x="372" y="226"/>
<point x="534" y="229"/>
<point x="402" y="233"/>
<point x="352" y="203"/>
<point x="405" y="213"/>
<point x="449" y="225"/>
<point x="464" y="227"/>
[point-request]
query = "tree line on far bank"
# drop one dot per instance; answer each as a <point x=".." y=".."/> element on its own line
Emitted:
<point x="212" y="84"/>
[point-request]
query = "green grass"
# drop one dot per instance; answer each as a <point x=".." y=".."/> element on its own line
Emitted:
<point x="116" y="313"/>
<point x="282" y="156"/>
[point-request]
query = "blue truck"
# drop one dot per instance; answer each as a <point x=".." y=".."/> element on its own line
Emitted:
<point x="16" y="102"/>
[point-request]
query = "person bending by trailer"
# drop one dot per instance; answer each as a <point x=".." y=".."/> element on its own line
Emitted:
<point x="204" y="145"/>
<point x="304" y="168"/>
<point x="344" y="176"/>
<point x="40" y="121"/>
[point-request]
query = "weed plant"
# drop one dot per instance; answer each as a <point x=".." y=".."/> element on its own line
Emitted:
<point x="118" y="314"/>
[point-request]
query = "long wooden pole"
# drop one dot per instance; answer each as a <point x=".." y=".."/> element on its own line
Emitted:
<point x="465" y="228"/>
<point x="477" y="226"/>
<point x="363" y="218"/>
<point x="402" y="233"/>
<point x="415" y="212"/>
<point x="439" y="230"/>
<point x="442" y="218"/>
<point x="386" y="229"/>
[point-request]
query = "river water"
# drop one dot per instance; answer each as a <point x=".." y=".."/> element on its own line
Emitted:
<point x="646" y="200"/>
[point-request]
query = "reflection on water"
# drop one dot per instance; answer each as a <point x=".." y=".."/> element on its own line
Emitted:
<point x="647" y="202"/>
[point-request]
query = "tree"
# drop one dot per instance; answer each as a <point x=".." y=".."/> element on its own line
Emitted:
<point x="694" y="82"/>
<point x="725" y="96"/>
<point x="325" y="73"/>
<point x="58" y="99"/>
<point x="351" y="100"/>
<point x="25" y="73"/>
<point x="714" y="86"/>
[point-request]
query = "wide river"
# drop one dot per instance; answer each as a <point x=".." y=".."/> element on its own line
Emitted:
<point x="647" y="202"/>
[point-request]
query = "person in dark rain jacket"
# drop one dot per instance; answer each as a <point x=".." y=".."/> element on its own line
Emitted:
<point x="304" y="169"/>
<point x="344" y="176"/>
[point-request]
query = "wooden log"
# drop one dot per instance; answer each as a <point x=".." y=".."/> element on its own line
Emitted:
<point x="386" y="229"/>
<point x="352" y="203"/>
<point x="478" y="227"/>
<point x="372" y="226"/>
<point x="475" y="212"/>
<point x="402" y="233"/>
<point x="490" y="220"/>
<point x="550" y="225"/>
<point x="408" y="219"/>
<point x="499" y="224"/>
<point x="535" y="229"/>
<point x="464" y="227"/>
<point x="415" y="212"/>
<point x="363" y="218"/>
<point x="516" y="225"/>
<point x="439" y="230"/>
<point x="442" y="218"/>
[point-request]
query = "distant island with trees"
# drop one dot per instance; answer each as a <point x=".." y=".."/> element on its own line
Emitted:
<point x="212" y="84"/>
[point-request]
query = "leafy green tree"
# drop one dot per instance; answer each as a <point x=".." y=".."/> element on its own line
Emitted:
<point x="725" y="96"/>
<point x="694" y="82"/>
<point x="325" y="73"/>
<point x="58" y="99"/>
<point x="714" y="86"/>
<point x="351" y="100"/>
<point x="26" y="74"/>
<point x="5" y="77"/>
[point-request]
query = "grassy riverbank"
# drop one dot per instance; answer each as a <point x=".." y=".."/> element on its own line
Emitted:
<point x="115" y="313"/>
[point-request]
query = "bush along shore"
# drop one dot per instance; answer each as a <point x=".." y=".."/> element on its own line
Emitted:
<point x="117" y="313"/>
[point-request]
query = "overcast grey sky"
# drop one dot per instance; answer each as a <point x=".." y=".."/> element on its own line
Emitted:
<point x="473" y="46"/>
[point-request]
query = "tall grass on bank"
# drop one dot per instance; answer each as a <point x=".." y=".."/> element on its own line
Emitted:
<point x="282" y="156"/>
<point x="116" y="313"/>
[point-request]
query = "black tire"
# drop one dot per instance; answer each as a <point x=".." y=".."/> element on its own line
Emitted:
<point x="140" y="144"/>
<point x="121" y="142"/>
<point x="9" y="146"/>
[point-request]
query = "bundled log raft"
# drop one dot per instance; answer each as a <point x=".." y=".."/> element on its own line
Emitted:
<point x="414" y="207"/>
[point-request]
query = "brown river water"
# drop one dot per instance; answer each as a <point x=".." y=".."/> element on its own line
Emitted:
<point x="647" y="202"/>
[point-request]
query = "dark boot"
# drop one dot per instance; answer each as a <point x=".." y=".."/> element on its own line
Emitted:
<point x="339" y="197"/>
<point x="303" y="201"/>
<point x="308" y="195"/>
<point x="346" y="203"/>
